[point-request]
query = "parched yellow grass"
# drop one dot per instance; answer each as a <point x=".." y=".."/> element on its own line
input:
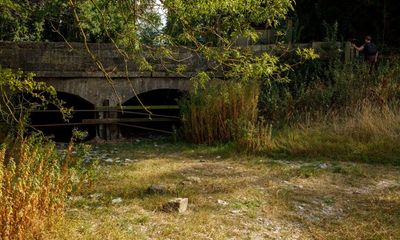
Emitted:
<point x="368" y="134"/>
<point x="371" y="122"/>
<point x="236" y="198"/>
<point x="35" y="181"/>
<point x="33" y="187"/>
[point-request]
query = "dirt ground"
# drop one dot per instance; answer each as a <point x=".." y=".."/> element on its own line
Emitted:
<point x="230" y="197"/>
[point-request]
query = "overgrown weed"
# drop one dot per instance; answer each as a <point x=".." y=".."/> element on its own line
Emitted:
<point x="214" y="114"/>
<point x="370" y="134"/>
<point x="35" y="181"/>
<point x="352" y="115"/>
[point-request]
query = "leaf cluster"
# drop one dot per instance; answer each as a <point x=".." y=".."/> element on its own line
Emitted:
<point x="20" y="93"/>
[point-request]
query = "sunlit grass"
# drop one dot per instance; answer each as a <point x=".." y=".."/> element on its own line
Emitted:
<point x="264" y="198"/>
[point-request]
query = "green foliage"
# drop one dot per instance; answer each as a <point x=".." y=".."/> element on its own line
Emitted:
<point x="20" y="94"/>
<point x="254" y="137"/>
<point x="341" y="111"/>
<point x="331" y="31"/>
<point x="20" y="20"/>
<point x="219" y="21"/>
<point x="126" y="22"/>
<point x="320" y="87"/>
<point x="53" y="20"/>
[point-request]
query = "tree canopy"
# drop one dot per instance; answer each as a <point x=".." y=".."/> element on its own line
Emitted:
<point x="355" y="19"/>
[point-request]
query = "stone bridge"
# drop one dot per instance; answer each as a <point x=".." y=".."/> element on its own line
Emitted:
<point x="82" y="85"/>
<point x="79" y="81"/>
<point x="70" y="69"/>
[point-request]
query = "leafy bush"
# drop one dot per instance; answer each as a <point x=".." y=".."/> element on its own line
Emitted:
<point x="254" y="137"/>
<point x="351" y="114"/>
<point x="318" y="88"/>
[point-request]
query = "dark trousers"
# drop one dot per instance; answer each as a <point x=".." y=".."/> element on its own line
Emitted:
<point x="371" y="60"/>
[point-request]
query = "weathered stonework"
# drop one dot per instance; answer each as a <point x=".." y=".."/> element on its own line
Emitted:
<point x="70" y="69"/>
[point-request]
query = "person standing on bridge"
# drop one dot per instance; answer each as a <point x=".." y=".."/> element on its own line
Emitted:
<point x="369" y="50"/>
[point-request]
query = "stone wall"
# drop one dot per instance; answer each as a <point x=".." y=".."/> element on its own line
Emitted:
<point x="72" y="60"/>
<point x="70" y="69"/>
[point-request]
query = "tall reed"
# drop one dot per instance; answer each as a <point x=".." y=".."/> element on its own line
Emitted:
<point x="214" y="114"/>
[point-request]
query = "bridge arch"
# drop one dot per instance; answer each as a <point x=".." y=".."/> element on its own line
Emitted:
<point x="51" y="122"/>
<point x="163" y="106"/>
<point x="96" y="90"/>
<point x="147" y="86"/>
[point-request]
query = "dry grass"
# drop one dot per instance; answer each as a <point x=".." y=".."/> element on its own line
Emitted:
<point x="34" y="183"/>
<point x="263" y="199"/>
<point x="367" y="134"/>
<point x="371" y="122"/>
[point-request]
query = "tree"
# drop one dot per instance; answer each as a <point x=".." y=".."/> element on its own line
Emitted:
<point x="355" y="18"/>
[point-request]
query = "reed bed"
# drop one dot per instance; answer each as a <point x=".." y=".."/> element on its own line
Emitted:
<point x="214" y="114"/>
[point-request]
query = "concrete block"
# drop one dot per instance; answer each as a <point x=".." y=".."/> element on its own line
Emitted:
<point x="179" y="205"/>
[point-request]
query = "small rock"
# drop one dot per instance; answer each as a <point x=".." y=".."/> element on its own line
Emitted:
<point x="323" y="166"/>
<point x="96" y="196"/>
<point x="176" y="205"/>
<point x="75" y="198"/>
<point x="157" y="189"/>
<point x="109" y="160"/>
<point x="222" y="202"/>
<point x="218" y="157"/>
<point x="193" y="179"/>
<point x="116" y="200"/>
<point x="235" y="211"/>
<point x="301" y="208"/>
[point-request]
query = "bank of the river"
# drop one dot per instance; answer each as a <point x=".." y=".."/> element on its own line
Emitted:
<point x="231" y="196"/>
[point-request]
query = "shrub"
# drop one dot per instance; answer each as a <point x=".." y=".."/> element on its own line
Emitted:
<point x="319" y="87"/>
<point x="34" y="183"/>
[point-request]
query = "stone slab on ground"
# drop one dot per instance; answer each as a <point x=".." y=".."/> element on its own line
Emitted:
<point x="179" y="205"/>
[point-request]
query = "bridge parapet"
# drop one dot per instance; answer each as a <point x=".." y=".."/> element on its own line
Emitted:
<point x="69" y="68"/>
<point x="59" y="59"/>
